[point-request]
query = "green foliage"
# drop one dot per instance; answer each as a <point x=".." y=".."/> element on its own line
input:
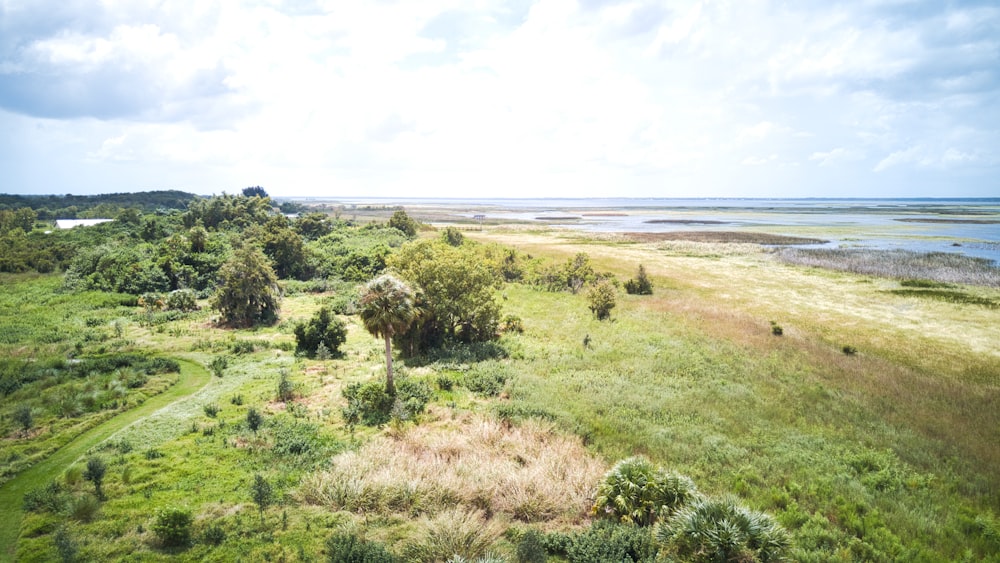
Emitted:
<point x="286" y="390"/>
<point x="24" y="417"/>
<point x="182" y="300"/>
<point x="219" y="365"/>
<point x="487" y="379"/>
<point x="403" y="223"/>
<point x="254" y="191"/>
<point x="849" y="350"/>
<point x="369" y="404"/>
<point x="640" y="285"/>
<point x="66" y="547"/>
<point x="254" y="420"/>
<point x="122" y="267"/>
<point x="604" y="542"/>
<point x="213" y="534"/>
<point x="452" y="236"/>
<point x="636" y="492"/>
<point x="248" y="290"/>
<point x="50" y="498"/>
<point x="531" y="548"/>
<point x="722" y="530"/>
<point x="227" y="212"/>
<point x="261" y="493"/>
<point x="602" y="300"/>
<point x="84" y="508"/>
<point x="173" y="527"/>
<point x="96" y="468"/>
<point x="211" y="410"/>
<point x="322" y="328"/>
<point x="455" y="296"/>
<point x="348" y="548"/>
<point x="387" y="309"/>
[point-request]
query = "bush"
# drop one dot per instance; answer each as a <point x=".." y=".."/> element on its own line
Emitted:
<point x="530" y="548"/>
<point x="50" y="498"/>
<point x="286" y="390"/>
<point x="173" y="527"/>
<point x="323" y="328"/>
<point x="84" y="507"/>
<point x="211" y="410"/>
<point x="602" y="300"/>
<point x="487" y="379"/>
<point x="640" y="285"/>
<point x="254" y="420"/>
<point x="776" y="329"/>
<point x="370" y="405"/>
<point x="347" y="548"/>
<point x="214" y="534"/>
<point x="66" y="546"/>
<point x="243" y="347"/>
<point x="606" y="541"/>
<point x="182" y="300"/>
<point x="722" y="530"/>
<point x="636" y="492"/>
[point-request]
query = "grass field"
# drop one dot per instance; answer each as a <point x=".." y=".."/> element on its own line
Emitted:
<point x="885" y="453"/>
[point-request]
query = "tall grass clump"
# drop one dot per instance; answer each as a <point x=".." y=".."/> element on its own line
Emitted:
<point x="941" y="267"/>
<point x="528" y="472"/>
<point x="457" y="531"/>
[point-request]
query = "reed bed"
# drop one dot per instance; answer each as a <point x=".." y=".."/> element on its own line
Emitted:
<point x="942" y="267"/>
<point x="528" y="472"/>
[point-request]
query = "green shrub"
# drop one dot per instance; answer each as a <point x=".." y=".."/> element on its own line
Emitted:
<point x="776" y="329"/>
<point x="530" y="548"/>
<point x="348" y="548"/>
<point x="182" y="300"/>
<point x="370" y="405"/>
<point x="211" y="410"/>
<point x="50" y="498"/>
<point x="487" y="379"/>
<point x="849" y="350"/>
<point x="84" y="508"/>
<point x="722" y="530"/>
<point x="254" y="420"/>
<point x="173" y="527"/>
<point x="219" y="365"/>
<point x="66" y="546"/>
<point x="636" y="492"/>
<point x="286" y="390"/>
<point x="602" y="300"/>
<point x="640" y="285"/>
<point x="323" y="328"/>
<point x="214" y="534"/>
<point x="243" y="347"/>
<point x="606" y="541"/>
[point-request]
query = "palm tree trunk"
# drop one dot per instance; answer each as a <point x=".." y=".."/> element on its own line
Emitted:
<point x="390" y="387"/>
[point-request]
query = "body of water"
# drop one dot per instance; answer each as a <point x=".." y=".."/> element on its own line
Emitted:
<point x="966" y="226"/>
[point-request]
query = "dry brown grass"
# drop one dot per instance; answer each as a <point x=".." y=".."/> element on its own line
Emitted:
<point x="528" y="472"/>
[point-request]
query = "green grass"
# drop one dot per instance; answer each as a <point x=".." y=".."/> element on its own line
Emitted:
<point x="888" y="454"/>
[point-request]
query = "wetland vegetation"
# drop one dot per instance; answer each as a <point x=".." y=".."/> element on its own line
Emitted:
<point x="558" y="395"/>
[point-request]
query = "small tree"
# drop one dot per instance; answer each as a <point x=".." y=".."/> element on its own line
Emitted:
<point x="602" y="300"/>
<point x="254" y="420"/>
<point x="262" y="494"/>
<point x="286" y="390"/>
<point x="323" y="328"/>
<point x="452" y="236"/>
<point x="254" y="191"/>
<point x="66" y="546"/>
<point x="640" y="285"/>
<point x="403" y="223"/>
<point x="23" y="417"/>
<point x="95" y="473"/>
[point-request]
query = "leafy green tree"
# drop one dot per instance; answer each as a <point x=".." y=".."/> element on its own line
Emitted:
<point x="452" y="236"/>
<point x="710" y="530"/>
<point x="403" y="223"/>
<point x="262" y="494"/>
<point x="640" y="285"/>
<point x="248" y="289"/>
<point x="636" y="492"/>
<point x="456" y="300"/>
<point x="323" y="328"/>
<point x="254" y="191"/>
<point x="198" y="237"/>
<point x="602" y="300"/>
<point x="387" y="308"/>
<point x="94" y="473"/>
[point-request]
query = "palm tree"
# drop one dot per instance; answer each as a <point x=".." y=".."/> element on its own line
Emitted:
<point x="387" y="308"/>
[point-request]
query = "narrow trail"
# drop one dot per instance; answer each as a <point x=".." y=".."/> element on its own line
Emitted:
<point x="192" y="378"/>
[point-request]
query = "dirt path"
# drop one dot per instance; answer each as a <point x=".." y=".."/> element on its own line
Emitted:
<point x="192" y="378"/>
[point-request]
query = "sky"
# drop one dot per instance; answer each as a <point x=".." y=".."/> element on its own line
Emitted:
<point x="483" y="98"/>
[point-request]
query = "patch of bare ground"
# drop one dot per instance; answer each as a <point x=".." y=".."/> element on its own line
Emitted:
<point x="722" y="237"/>
<point x="529" y="472"/>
